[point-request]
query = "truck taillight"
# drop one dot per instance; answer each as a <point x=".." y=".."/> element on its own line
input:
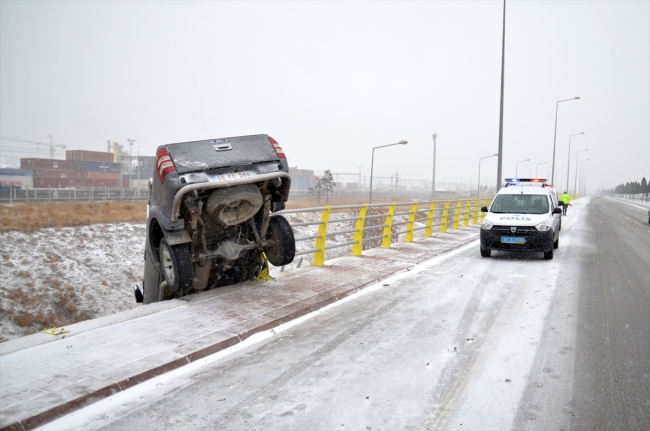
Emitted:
<point x="277" y="148"/>
<point x="164" y="164"/>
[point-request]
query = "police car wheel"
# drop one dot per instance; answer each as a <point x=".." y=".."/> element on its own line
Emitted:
<point x="548" y="255"/>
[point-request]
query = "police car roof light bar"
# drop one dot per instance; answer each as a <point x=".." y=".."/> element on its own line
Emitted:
<point x="526" y="180"/>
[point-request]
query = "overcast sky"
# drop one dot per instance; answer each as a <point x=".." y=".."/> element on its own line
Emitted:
<point x="331" y="80"/>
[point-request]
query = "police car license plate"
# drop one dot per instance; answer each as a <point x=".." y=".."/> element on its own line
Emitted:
<point x="233" y="176"/>
<point x="513" y="240"/>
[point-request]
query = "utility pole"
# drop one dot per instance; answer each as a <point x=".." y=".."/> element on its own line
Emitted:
<point x="503" y="57"/>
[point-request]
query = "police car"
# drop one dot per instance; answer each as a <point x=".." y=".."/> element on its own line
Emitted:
<point x="524" y="216"/>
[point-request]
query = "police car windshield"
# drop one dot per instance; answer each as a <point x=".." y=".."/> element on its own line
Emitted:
<point x="520" y="204"/>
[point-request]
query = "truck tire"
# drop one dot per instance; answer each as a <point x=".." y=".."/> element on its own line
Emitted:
<point x="176" y="266"/>
<point x="234" y="205"/>
<point x="283" y="249"/>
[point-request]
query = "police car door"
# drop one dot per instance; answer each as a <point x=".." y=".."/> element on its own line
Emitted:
<point x="556" y="217"/>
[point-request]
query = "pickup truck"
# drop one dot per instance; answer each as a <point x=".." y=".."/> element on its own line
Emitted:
<point x="210" y="219"/>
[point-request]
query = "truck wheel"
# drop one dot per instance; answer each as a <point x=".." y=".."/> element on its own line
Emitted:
<point x="176" y="265"/>
<point x="283" y="249"/>
<point x="234" y="205"/>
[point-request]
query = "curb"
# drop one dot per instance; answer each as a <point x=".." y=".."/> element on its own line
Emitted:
<point x="137" y="372"/>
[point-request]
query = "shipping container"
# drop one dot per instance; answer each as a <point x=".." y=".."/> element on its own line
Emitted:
<point x="100" y="176"/>
<point x="91" y="156"/>
<point x="16" y="181"/>
<point x="21" y="172"/>
<point x="98" y="183"/>
<point x="143" y="184"/>
<point x="52" y="173"/>
<point x="58" y="183"/>
<point x="33" y="163"/>
<point x="90" y="166"/>
<point x="143" y="176"/>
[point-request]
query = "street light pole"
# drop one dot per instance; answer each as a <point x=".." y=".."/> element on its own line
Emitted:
<point x="503" y="62"/>
<point x="372" y="163"/>
<point x="433" y="175"/>
<point x="576" y="178"/>
<point x="568" y="163"/>
<point x="517" y="166"/>
<point x="537" y="169"/>
<point x="555" y="135"/>
<point x="582" y="170"/>
<point x="478" y="188"/>
<point x="583" y="180"/>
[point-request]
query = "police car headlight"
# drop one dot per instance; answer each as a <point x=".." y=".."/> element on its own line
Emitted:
<point x="543" y="227"/>
<point x="486" y="225"/>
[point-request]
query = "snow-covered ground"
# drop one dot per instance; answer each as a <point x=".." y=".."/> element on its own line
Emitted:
<point x="56" y="277"/>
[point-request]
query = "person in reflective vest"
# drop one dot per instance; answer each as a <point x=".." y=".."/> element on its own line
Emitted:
<point x="565" y="202"/>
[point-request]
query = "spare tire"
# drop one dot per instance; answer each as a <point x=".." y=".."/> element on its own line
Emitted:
<point x="283" y="249"/>
<point x="234" y="205"/>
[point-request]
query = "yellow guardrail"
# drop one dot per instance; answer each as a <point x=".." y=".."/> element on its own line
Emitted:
<point x="468" y="213"/>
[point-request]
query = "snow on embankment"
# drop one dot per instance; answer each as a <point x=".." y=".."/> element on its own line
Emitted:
<point x="67" y="275"/>
<point x="56" y="277"/>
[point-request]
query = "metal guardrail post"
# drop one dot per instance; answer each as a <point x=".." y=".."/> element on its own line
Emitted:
<point x="468" y="209"/>
<point x="432" y="209"/>
<point x="388" y="228"/>
<point x="445" y="217"/>
<point x="476" y="208"/>
<point x="457" y="214"/>
<point x="357" y="248"/>
<point x="411" y="224"/>
<point x="319" y="256"/>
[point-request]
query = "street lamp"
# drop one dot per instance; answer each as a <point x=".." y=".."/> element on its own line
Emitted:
<point x="555" y="134"/>
<point x="372" y="163"/>
<point x="478" y="188"/>
<point x="548" y="172"/>
<point x="584" y="181"/>
<point x="582" y="172"/>
<point x="576" y="178"/>
<point x="537" y="169"/>
<point x="517" y="166"/>
<point x="568" y="163"/>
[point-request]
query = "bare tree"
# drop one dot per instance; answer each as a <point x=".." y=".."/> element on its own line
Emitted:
<point x="324" y="183"/>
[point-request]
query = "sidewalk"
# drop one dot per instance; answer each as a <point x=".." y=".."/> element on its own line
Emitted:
<point x="43" y="377"/>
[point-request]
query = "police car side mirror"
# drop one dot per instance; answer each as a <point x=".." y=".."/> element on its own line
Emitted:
<point x="557" y="211"/>
<point x="484" y="209"/>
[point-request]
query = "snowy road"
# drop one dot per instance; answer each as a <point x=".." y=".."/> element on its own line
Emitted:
<point x="464" y="342"/>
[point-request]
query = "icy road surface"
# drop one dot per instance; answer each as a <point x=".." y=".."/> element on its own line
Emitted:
<point x="462" y="343"/>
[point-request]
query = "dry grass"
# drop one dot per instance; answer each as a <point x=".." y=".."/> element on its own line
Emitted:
<point x="41" y="308"/>
<point x="30" y="216"/>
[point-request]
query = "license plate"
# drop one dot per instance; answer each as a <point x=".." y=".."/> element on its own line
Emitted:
<point x="233" y="176"/>
<point x="513" y="240"/>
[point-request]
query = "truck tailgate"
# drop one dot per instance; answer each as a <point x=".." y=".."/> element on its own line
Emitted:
<point x="221" y="152"/>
